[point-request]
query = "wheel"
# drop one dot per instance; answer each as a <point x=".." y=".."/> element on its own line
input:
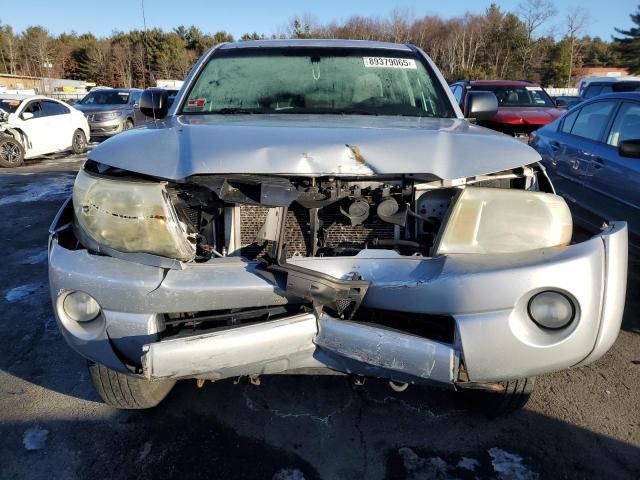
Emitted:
<point x="11" y="152"/>
<point x="508" y="397"/>
<point x="128" y="125"/>
<point x="127" y="392"/>
<point x="79" y="142"/>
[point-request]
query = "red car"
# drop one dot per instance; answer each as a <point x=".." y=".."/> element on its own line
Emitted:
<point x="522" y="106"/>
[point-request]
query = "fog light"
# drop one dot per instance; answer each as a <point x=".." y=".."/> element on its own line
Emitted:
<point x="551" y="310"/>
<point x="80" y="307"/>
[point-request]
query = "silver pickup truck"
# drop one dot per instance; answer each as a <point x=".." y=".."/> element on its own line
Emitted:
<point x="320" y="206"/>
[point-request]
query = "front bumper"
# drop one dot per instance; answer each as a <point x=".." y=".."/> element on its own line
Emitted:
<point x="106" y="128"/>
<point x="486" y="295"/>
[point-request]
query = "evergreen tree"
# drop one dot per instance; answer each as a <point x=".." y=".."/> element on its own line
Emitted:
<point x="628" y="46"/>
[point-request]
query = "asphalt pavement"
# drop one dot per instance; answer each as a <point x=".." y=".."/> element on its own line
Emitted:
<point x="580" y="423"/>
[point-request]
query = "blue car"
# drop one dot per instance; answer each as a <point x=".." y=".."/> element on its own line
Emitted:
<point x="592" y="154"/>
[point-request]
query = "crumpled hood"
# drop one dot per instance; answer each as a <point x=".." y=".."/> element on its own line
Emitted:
<point x="526" y="115"/>
<point x="101" y="108"/>
<point x="181" y="146"/>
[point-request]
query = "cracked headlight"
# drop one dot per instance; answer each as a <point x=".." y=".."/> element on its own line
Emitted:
<point x="130" y="216"/>
<point x="493" y="220"/>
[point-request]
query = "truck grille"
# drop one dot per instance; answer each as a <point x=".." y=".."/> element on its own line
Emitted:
<point x="337" y="231"/>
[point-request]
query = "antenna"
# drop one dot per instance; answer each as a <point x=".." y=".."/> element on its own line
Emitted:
<point x="146" y="53"/>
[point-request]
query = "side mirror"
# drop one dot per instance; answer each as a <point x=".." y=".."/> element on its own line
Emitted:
<point x="154" y="102"/>
<point x="27" y="115"/>
<point x="480" y="105"/>
<point x="629" y="148"/>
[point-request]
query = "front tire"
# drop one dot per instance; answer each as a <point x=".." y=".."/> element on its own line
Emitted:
<point x="127" y="392"/>
<point x="128" y="125"/>
<point x="513" y="395"/>
<point x="79" y="142"/>
<point x="11" y="152"/>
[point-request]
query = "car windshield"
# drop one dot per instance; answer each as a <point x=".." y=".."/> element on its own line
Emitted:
<point x="9" y="105"/>
<point x="105" y="97"/>
<point x="516" y="96"/>
<point x="365" y="82"/>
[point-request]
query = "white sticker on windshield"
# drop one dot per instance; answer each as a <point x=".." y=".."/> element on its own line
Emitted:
<point x="387" y="62"/>
<point x="534" y="89"/>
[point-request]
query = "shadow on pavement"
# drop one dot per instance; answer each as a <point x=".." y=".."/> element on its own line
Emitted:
<point x="319" y="427"/>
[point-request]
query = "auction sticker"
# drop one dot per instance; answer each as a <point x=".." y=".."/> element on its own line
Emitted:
<point x="388" y="62"/>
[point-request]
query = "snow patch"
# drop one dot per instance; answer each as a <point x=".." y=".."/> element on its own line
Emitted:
<point x="288" y="474"/>
<point x="419" y="468"/>
<point x="146" y="449"/>
<point x="49" y="189"/>
<point x="34" y="438"/>
<point x="468" y="464"/>
<point x="18" y="294"/>
<point x="509" y="466"/>
<point x="39" y="257"/>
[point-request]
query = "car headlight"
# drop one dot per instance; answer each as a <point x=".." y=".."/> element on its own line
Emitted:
<point x="130" y="216"/>
<point x="493" y="220"/>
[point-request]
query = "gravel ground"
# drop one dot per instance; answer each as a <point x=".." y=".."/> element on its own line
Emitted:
<point x="582" y="423"/>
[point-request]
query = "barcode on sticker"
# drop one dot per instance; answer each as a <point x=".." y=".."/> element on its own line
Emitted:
<point x="387" y="62"/>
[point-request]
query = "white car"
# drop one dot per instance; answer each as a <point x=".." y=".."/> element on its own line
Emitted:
<point x="36" y="125"/>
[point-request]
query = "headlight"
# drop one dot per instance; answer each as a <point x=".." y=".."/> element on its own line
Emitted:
<point x="130" y="216"/>
<point x="551" y="310"/>
<point x="492" y="220"/>
<point x="80" y="307"/>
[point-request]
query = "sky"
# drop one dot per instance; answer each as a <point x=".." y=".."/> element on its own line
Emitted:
<point x="270" y="16"/>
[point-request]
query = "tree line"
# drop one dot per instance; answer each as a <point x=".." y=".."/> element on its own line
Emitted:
<point x="522" y="44"/>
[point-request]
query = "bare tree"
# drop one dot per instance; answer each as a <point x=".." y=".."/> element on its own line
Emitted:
<point x="533" y="14"/>
<point x="576" y="21"/>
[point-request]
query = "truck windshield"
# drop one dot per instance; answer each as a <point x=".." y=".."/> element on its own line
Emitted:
<point x="509" y="96"/>
<point x="292" y="81"/>
<point x="105" y="97"/>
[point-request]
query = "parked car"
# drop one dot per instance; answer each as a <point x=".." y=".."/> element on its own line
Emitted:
<point x="31" y="126"/>
<point x="111" y="110"/>
<point x="565" y="102"/>
<point x="169" y="93"/>
<point x="522" y="106"/>
<point x="592" y="87"/>
<point x="322" y="206"/>
<point x="593" y="157"/>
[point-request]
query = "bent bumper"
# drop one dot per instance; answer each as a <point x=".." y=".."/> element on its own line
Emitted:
<point x="486" y="295"/>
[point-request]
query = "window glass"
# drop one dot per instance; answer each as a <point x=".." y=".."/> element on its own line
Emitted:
<point x="518" y="96"/>
<point x="54" y="108"/>
<point x="626" y="126"/>
<point x="457" y="92"/>
<point x="36" y="109"/>
<point x="606" y="89"/>
<point x="105" y="97"/>
<point x="626" y="87"/>
<point x="569" y="120"/>
<point x="9" y="105"/>
<point x="592" y="91"/>
<point x="319" y="81"/>
<point x="135" y="97"/>
<point x="592" y="120"/>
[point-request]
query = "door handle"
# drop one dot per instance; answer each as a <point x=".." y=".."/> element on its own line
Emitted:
<point x="555" y="146"/>
<point x="598" y="162"/>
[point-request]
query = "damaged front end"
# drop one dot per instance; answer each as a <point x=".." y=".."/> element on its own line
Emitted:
<point x="380" y="275"/>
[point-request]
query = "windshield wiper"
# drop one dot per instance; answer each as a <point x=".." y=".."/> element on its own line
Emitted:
<point x="233" y="110"/>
